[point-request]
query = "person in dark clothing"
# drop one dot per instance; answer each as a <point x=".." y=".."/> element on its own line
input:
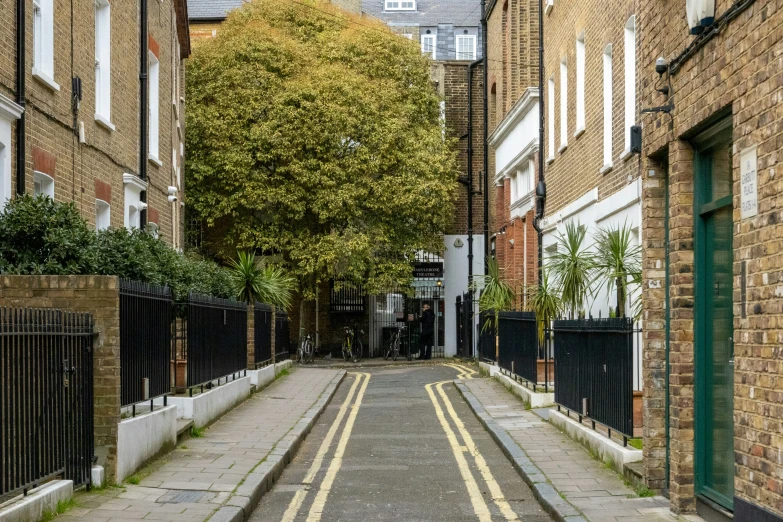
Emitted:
<point x="427" y="332"/>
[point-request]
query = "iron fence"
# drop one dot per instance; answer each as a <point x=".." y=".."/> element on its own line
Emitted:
<point x="594" y="371"/>
<point x="212" y="339"/>
<point x="262" y="324"/>
<point x="487" y="336"/>
<point x="465" y="325"/>
<point x="46" y="398"/>
<point x="146" y="313"/>
<point x="282" y="336"/>
<point x="518" y="344"/>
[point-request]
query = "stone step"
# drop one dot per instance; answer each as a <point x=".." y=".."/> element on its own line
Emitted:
<point x="183" y="427"/>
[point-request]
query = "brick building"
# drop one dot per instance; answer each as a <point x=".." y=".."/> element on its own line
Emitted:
<point x="78" y="109"/>
<point x="712" y="280"/>
<point x="512" y="69"/>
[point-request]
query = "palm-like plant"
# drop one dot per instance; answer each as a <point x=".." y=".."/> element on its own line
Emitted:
<point x="266" y="284"/>
<point x="572" y="267"/>
<point x="496" y="294"/>
<point x="545" y="301"/>
<point x="618" y="262"/>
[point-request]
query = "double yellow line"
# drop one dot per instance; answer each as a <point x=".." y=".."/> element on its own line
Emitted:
<point x="360" y="382"/>
<point x="464" y="372"/>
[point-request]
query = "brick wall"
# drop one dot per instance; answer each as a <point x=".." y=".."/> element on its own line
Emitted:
<point x="106" y="154"/>
<point x="738" y="69"/>
<point x="98" y="295"/>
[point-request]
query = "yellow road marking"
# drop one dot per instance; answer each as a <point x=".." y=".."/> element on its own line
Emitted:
<point x="465" y="373"/>
<point x="479" y="506"/>
<point x="317" y="509"/>
<point x="315" y="467"/>
<point x="481" y="464"/>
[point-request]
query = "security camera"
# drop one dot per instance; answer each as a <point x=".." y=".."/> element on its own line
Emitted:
<point x="172" y="190"/>
<point x="661" y="66"/>
<point x="172" y="199"/>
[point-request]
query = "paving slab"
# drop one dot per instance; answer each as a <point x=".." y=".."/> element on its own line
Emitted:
<point x="197" y="480"/>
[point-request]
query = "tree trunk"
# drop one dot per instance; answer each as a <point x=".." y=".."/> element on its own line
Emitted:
<point x="620" y="297"/>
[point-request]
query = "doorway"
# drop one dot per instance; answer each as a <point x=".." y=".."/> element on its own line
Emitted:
<point x="713" y="329"/>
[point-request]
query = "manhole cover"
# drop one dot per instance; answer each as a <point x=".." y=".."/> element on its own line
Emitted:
<point x="179" y="497"/>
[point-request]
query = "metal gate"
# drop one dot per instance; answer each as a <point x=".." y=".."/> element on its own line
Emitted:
<point x="46" y="398"/>
<point x="400" y="309"/>
<point x="464" y="325"/>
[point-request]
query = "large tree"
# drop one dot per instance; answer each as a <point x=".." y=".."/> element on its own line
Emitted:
<point x="315" y="135"/>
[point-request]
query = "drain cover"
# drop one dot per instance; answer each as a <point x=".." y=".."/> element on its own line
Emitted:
<point x="180" y="497"/>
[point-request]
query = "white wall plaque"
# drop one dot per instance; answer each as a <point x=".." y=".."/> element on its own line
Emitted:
<point x="749" y="200"/>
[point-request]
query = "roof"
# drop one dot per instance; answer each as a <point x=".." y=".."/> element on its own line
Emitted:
<point x="459" y="13"/>
<point x="211" y="9"/>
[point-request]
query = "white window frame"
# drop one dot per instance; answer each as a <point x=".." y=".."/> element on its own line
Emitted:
<point x="9" y="113"/>
<point x="434" y="39"/>
<point x="551" y="116"/>
<point x="630" y="81"/>
<point x="133" y="187"/>
<point x="43" y="184"/>
<point x="102" y="215"/>
<point x="103" y="63"/>
<point x="43" y="42"/>
<point x="154" y="109"/>
<point x="460" y="54"/>
<point x="400" y="5"/>
<point x="580" y="84"/>
<point x="563" y="104"/>
<point x="608" y="80"/>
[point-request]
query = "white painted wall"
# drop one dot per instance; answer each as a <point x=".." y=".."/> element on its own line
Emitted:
<point x="141" y="438"/>
<point x="208" y="406"/>
<point x="455" y="282"/>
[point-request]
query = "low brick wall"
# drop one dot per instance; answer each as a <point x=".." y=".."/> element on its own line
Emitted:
<point x="98" y="295"/>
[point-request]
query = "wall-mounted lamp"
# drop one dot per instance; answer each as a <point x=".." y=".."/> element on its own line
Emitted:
<point x="511" y="242"/>
<point x="662" y="67"/>
<point x="439" y="283"/>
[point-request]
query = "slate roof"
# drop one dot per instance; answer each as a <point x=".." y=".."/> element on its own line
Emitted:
<point x="460" y="13"/>
<point x="211" y="9"/>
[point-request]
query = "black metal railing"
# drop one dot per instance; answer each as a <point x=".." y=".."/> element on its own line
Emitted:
<point x="487" y="332"/>
<point x="46" y="398"/>
<point x="146" y="313"/>
<point x="465" y="326"/>
<point x="282" y="336"/>
<point x="212" y="338"/>
<point x="518" y="344"/>
<point x="262" y="324"/>
<point x="594" y="371"/>
<point x="346" y="297"/>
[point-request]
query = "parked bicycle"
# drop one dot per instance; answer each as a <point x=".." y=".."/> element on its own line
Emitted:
<point x="304" y="353"/>
<point x="352" y="345"/>
<point x="393" y="349"/>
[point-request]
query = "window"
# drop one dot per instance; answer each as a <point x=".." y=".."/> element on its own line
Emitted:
<point x="608" y="106"/>
<point x="466" y="47"/>
<point x="514" y="188"/>
<point x="551" y="115"/>
<point x="43" y="184"/>
<point x="43" y="42"/>
<point x="409" y="36"/>
<point x="400" y="5"/>
<point x="630" y="80"/>
<point x="103" y="63"/>
<point x="563" y="104"/>
<point x="580" y="84"/>
<point x="102" y="215"/>
<point x="428" y="45"/>
<point x="154" y="109"/>
<point x="134" y="187"/>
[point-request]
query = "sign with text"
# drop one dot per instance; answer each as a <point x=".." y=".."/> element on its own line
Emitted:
<point x="422" y="269"/>
<point x="749" y="198"/>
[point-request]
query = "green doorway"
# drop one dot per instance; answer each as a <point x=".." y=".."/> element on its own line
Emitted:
<point x="714" y="319"/>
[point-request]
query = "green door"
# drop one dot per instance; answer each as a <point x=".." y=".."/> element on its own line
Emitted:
<point x="714" y="333"/>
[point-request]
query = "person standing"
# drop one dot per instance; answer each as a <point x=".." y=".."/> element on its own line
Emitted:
<point x="427" y="332"/>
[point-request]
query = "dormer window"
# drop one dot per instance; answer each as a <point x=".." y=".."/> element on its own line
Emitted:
<point x="400" y="5"/>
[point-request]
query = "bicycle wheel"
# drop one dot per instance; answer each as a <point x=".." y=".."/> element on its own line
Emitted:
<point x="389" y="350"/>
<point x="396" y="350"/>
<point x="298" y="355"/>
<point x="357" y="351"/>
<point x="308" y="352"/>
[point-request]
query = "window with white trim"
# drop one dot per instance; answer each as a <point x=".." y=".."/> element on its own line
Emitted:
<point x="466" y="47"/>
<point x="580" y="83"/>
<point x="563" y="103"/>
<point x="513" y="189"/>
<point x="551" y="115"/>
<point x="428" y="45"/>
<point x="102" y="61"/>
<point x="102" y="214"/>
<point x="608" y="106"/>
<point x="5" y="174"/>
<point x="43" y="41"/>
<point x="43" y="184"/>
<point x="400" y="5"/>
<point x="630" y="79"/>
<point x="154" y="106"/>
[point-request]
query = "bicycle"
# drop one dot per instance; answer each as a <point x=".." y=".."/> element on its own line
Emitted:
<point x="304" y="353"/>
<point x="351" y="350"/>
<point x="393" y="351"/>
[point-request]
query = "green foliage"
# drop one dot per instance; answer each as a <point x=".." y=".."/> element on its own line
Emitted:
<point x="266" y="284"/>
<point x="496" y="294"/>
<point x="196" y="433"/>
<point x="41" y="236"/>
<point x="545" y="301"/>
<point x="134" y="479"/>
<point x="62" y="507"/>
<point x="617" y="262"/>
<point x="573" y="268"/>
<point x="636" y="443"/>
<point x="314" y="134"/>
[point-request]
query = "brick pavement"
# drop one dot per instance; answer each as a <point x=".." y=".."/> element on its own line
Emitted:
<point x="194" y="480"/>
<point x="599" y="493"/>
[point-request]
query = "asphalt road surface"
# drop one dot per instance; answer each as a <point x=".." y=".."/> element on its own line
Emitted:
<point x="399" y="444"/>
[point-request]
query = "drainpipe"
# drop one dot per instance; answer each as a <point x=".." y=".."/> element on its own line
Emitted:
<point x="471" y="66"/>
<point x="21" y="34"/>
<point x="485" y="135"/>
<point x="541" y="186"/>
<point x="143" y="105"/>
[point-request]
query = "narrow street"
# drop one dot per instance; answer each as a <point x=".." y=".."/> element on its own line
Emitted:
<point x="399" y="444"/>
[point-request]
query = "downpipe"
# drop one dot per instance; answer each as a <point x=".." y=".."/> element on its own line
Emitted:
<point x="143" y="104"/>
<point x="471" y="66"/>
<point x="21" y="34"/>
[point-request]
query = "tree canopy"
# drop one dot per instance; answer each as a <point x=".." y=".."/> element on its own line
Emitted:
<point x="315" y="135"/>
